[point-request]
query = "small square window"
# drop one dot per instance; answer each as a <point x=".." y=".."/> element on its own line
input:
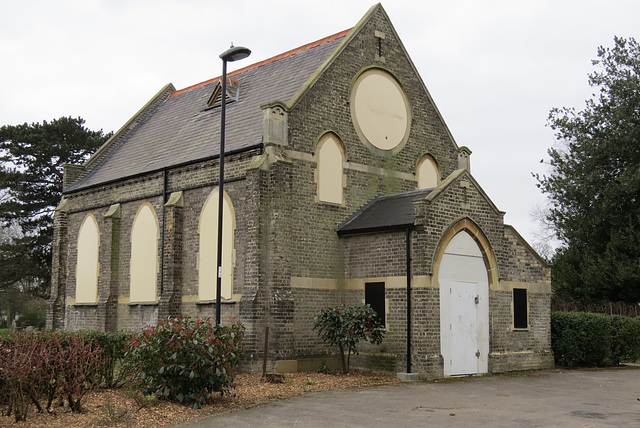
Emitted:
<point x="374" y="297"/>
<point x="520" y="313"/>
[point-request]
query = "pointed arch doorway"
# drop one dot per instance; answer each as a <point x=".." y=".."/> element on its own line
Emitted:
<point x="464" y="306"/>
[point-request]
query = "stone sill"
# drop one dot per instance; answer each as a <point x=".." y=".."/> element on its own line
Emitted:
<point x="330" y="204"/>
<point x="142" y="304"/>
<point x="86" y="304"/>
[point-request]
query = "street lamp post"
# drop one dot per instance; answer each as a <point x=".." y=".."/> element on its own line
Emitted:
<point x="234" y="53"/>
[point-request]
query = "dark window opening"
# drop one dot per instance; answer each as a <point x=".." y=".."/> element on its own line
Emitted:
<point x="520" y="315"/>
<point x="374" y="297"/>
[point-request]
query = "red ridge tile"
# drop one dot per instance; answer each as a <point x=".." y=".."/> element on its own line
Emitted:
<point x="266" y="61"/>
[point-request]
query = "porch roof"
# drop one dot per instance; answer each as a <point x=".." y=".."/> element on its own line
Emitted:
<point x="383" y="213"/>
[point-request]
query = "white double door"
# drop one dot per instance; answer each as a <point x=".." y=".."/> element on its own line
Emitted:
<point x="464" y="308"/>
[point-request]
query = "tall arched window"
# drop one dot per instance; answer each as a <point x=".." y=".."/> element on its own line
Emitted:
<point x="330" y="158"/>
<point x="88" y="266"/>
<point x="144" y="256"/>
<point x="208" y="248"/>
<point x="427" y="173"/>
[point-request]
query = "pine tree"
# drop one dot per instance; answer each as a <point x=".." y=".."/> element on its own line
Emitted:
<point x="31" y="165"/>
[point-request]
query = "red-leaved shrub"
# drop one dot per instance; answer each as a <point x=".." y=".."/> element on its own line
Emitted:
<point x="44" y="366"/>
<point x="185" y="359"/>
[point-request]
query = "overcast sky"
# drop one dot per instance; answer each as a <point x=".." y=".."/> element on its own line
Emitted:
<point x="494" y="67"/>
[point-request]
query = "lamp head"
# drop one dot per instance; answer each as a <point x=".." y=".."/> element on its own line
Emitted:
<point x="235" y="53"/>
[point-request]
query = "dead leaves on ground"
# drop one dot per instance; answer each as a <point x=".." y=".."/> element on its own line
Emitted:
<point x="122" y="408"/>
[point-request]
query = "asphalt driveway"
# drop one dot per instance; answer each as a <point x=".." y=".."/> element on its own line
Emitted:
<point x="554" y="398"/>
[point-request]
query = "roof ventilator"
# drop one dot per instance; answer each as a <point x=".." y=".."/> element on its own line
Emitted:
<point x="233" y="91"/>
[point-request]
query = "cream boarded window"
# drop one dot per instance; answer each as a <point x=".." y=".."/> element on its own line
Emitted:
<point x="208" y="248"/>
<point x="427" y="173"/>
<point x="144" y="256"/>
<point x="380" y="111"/>
<point x="330" y="169"/>
<point x="87" y="267"/>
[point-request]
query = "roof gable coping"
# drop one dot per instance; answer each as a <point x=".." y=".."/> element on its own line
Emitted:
<point x="349" y="37"/>
<point x="442" y="187"/>
<point x="164" y="93"/>
<point x="73" y="173"/>
<point x="464" y="179"/>
<point x="524" y="242"/>
<point x="417" y="74"/>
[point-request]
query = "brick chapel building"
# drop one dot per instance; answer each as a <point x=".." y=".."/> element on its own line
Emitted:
<point x="342" y="183"/>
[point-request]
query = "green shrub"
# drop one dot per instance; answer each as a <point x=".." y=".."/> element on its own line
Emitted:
<point x="346" y="326"/>
<point x="626" y="338"/>
<point x="184" y="359"/>
<point x="594" y="340"/>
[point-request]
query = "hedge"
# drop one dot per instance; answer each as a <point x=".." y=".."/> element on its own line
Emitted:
<point x="581" y="339"/>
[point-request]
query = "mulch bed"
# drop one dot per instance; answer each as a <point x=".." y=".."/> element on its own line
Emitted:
<point x="126" y="408"/>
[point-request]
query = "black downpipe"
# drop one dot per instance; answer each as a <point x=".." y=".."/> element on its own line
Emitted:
<point x="408" y="300"/>
<point x="165" y="184"/>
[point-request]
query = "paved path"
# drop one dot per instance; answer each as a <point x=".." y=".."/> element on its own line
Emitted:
<point x="557" y="398"/>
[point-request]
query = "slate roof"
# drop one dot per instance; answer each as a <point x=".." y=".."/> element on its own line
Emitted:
<point x="385" y="212"/>
<point x="179" y="130"/>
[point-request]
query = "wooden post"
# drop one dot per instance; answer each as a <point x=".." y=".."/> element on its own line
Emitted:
<point x="266" y="349"/>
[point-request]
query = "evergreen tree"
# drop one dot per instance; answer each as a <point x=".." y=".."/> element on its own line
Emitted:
<point x="31" y="165"/>
<point x="594" y="184"/>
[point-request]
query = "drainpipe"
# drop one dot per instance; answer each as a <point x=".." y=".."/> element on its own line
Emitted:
<point x="408" y="241"/>
<point x="165" y="182"/>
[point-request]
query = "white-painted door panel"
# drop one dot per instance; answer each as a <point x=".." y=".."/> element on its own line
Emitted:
<point x="463" y="327"/>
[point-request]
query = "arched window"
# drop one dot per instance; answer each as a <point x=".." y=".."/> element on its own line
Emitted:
<point x="330" y="158"/>
<point x="208" y="248"/>
<point x="87" y="266"/>
<point x="144" y="256"/>
<point x="427" y="173"/>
